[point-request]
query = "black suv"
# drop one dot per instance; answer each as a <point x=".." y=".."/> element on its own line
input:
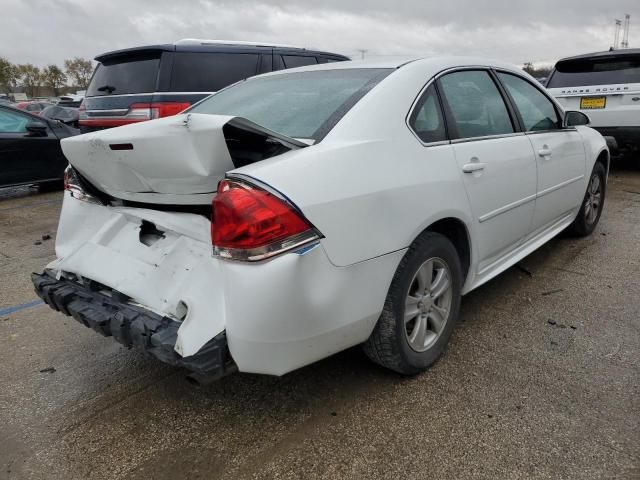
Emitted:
<point x="143" y="83"/>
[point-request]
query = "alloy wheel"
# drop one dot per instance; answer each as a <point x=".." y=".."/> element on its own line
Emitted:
<point x="427" y="304"/>
<point x="593" y="200"/>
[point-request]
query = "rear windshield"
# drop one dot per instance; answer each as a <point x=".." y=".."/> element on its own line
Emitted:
<point x="296" y="104"/>
<point x="605" y="71"/>
<point x="209" y="72"/>
<point x="130" y="75"/>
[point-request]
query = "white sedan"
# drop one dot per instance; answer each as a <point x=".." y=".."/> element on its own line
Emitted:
<point x="296" y="214"/>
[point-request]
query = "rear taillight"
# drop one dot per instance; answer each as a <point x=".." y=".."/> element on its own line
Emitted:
<point x="157" y="109"/>
<point x="82" y="111"/>
<point x="167" y="109"/>
<point x="137" y="112"/>
<point x="249" y="223"/>
<point x="73" y="185"/>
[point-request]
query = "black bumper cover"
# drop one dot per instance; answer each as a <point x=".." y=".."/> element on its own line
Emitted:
<point x="132" y="326"/>
<point x="627" y="138"/>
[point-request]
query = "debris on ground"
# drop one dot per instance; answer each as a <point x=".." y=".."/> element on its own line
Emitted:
<point x="48" y="370"/>
<point x="551" y="292"/>
<point x="37" y="242"/>
<point x="46" y="236"/>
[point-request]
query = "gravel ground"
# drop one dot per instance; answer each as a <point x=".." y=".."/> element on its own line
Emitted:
<point x="541" y="380"/>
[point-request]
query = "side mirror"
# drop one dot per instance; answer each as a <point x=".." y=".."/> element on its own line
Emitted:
<point x="36" y="129"/>
<point x="573" y="118"/>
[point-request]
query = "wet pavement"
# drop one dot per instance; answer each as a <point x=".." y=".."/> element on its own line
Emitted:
<point x="541" y="380"/>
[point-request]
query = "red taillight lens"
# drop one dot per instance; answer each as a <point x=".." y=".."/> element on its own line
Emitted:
<point x="249" y="223"/>
<point x="158" y="109"/>
<point x="137" y="112"/>
<point x="167" y="109"/>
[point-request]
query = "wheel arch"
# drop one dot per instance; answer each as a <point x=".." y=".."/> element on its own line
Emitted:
<point x="456" y="231"/>
<point x="604" y="157"/>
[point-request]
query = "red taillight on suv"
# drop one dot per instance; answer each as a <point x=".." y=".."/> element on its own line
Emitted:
<point x="137" y="112"/>
<point x="155" y="110"/>
<point x="249" y="223"/>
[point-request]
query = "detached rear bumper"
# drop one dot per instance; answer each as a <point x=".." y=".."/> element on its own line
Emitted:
<point x="131" y="325"/>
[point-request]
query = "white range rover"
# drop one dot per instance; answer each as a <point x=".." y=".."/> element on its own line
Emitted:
<point x="606" y="86"/>
<point x="299" y="213"/>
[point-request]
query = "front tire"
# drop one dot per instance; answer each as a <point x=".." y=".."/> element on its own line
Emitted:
<point x="592" y="203"/>
<point x="421" y="308"/>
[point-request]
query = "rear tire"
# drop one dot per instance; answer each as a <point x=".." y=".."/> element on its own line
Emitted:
<point x="421" y="308"/>
<point x="592" y="203"/>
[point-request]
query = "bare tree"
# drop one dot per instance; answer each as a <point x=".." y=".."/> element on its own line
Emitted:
<point x="79" y="71"/>
<point x="8" y="75"/>
<point x="54" y="77"/>
<point x="536" y="72"/>
<point x="30" y="76"/>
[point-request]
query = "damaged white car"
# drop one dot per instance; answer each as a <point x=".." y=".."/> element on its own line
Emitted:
<point x="299" y="213"/>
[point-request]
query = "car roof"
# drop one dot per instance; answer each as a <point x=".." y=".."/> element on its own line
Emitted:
<point x="605" y="54"/>
<point x="204" y="45"/>
<point x="432" y="64"/>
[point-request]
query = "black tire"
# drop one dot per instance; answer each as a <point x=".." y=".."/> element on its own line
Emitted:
<point x="51" y="186"/>
<point x="388" y="345"/>
<point x="582" y="225"/>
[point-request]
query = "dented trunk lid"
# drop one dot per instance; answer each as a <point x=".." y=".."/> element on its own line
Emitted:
<point x="178" y="159"/>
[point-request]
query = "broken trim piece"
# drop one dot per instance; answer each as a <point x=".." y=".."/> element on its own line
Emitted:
<point x="132" y="325"/>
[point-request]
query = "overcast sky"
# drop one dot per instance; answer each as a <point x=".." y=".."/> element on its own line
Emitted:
<point x="48" y="31"/>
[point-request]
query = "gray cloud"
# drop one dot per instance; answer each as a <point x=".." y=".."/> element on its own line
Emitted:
<point x="48" y="31"/>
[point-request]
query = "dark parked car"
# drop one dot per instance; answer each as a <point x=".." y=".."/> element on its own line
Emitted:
<point x="30" y="149"/>
<point x="73" y="101"/>
<point x="34" y="107"/>
<point x="66" y="115"/>
<point x="156" y="81"/>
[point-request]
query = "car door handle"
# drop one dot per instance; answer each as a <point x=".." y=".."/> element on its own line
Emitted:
<point x="545" y="152"/>
<point x="473" y="167"/>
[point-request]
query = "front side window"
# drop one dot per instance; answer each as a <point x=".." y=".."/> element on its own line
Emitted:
<point x="296" y="104"/>
<point x="536" y="110"/>
<point x="475" y="104"/>
<point x="11" y="122"/>
<point x="426" y="119"/>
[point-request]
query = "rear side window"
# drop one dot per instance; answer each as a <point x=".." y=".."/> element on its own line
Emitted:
<point x="210" y="72"/>
<point x="426" y="118"/>
<point x="293" y="61"/>
<point x="536" y="110"/>
<point x="475" y="104"/>
<point x="131" y="75"/>
<point x="602" y="71"/>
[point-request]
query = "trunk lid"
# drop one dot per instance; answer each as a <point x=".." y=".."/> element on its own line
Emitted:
<point x="183" y="155"/>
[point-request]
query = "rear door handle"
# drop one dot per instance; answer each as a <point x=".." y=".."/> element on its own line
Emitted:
<point x="545" y="152"/>
<point x="473" y="167"/>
